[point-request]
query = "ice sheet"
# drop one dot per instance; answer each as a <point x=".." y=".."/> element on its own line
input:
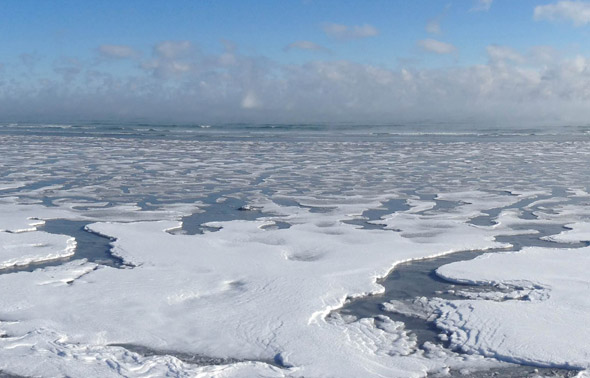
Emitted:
<point x="242" y="292"/>
<point x="545" y="327"/>
<point x="33" y="246"/>
<point x="247" y="291"/>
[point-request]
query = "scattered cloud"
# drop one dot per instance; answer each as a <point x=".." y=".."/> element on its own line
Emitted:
<point x="437" y="47"/>
<point x="68" y="74"/>
<point x="498" y="54"/>
<point x="305" y="45"/>
<point x="577" y="12"/>
<point x="186" y="84"/>
<point x="117" y="51"/>
<point x="340" y="31"/>
<point x="543" y="54"/>
<point x="482" y="6"/>
<point x="174" y="59"/>
<point x="173" y="49"/>
<point x="29" y="60"/>
<point x="433" y="26"/>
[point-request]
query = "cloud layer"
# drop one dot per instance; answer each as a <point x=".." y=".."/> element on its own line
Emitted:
<point x="180" y="82"/>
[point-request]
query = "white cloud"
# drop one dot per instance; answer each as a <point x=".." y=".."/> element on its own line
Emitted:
<point x="543" y="54"/>
<point x="305" y="45"/>
<point x="437" y="47"/>
<point x="173" y="49"/>
<point x="117" y="51"/>
<point x="197" y="87"/>
<point x="174" y="59"/>
<point x="340" y="31"/>
<point x="577" y="12"/>
<point x="482" y="6"/>
<point x="503" y="53"/>
<point x="433" y="26"/>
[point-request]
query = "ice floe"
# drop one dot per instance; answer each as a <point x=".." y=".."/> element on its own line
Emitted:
<point x="544" y="327"/>
<point x="33" y="246"/>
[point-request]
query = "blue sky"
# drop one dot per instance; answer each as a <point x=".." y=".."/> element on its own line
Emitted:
<point x="276" y="60"/>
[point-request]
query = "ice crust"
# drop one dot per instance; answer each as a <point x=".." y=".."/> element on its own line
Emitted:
<point x="243" y="292"/>
<point x="544" y="327"/>
<point x="578" y="232"/>
<point x="263" y="296"/>
<point x="22" y="244"/>
<point x="33" y="246"/>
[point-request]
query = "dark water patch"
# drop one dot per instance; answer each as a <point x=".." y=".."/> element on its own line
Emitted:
<point x="9" y="375"/>
<point x="405" y="283"/>
<point x="485" y="220"/>
<point x="198" y="359"/>
<point x="40" y="184"/>
<point x="287" y="202"/>
<point x="148" y="202"/>
<point x="534" y="240"/>
<point x="228" y="209"/>
<point x="443" y="206"/>
<point x="47" y="202"/>
<point x="365" y="221"/>
<point x="528" y="215"/>
<point x="418" y="279"/>
<point x="91" y="246"/>
<point x="513" y="371"/>
<point x="318" y="209"/>
<point x="440" y="206"/>
<point x="277" y="225"/>
<point x="526" y="211"/>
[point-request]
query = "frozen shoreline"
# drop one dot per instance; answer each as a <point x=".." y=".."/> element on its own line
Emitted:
<point x="318" y="222"/>
<point x="227" y="272"/>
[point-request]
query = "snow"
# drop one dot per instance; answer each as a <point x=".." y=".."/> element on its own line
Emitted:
<point x="263" y="296"/>
<point x="33" y="246"/>
<point x="22" y="244"/>
<point x="544" y="327"/>
<point x="578" y="232"/>
<point x="243" y="292"/>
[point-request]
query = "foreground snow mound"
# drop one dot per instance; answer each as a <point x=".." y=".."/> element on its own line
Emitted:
<point x="254" y="295"/>
<point x="33" y="246"/>
<point x="544" y="327"/>
<point x="22" y="244"/>
<point x="62" y="358"/>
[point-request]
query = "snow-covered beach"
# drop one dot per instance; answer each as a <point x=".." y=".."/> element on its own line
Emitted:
<point x="290" y="227"/>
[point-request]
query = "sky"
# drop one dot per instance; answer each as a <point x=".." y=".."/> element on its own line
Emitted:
<point x="296" y="61"/>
